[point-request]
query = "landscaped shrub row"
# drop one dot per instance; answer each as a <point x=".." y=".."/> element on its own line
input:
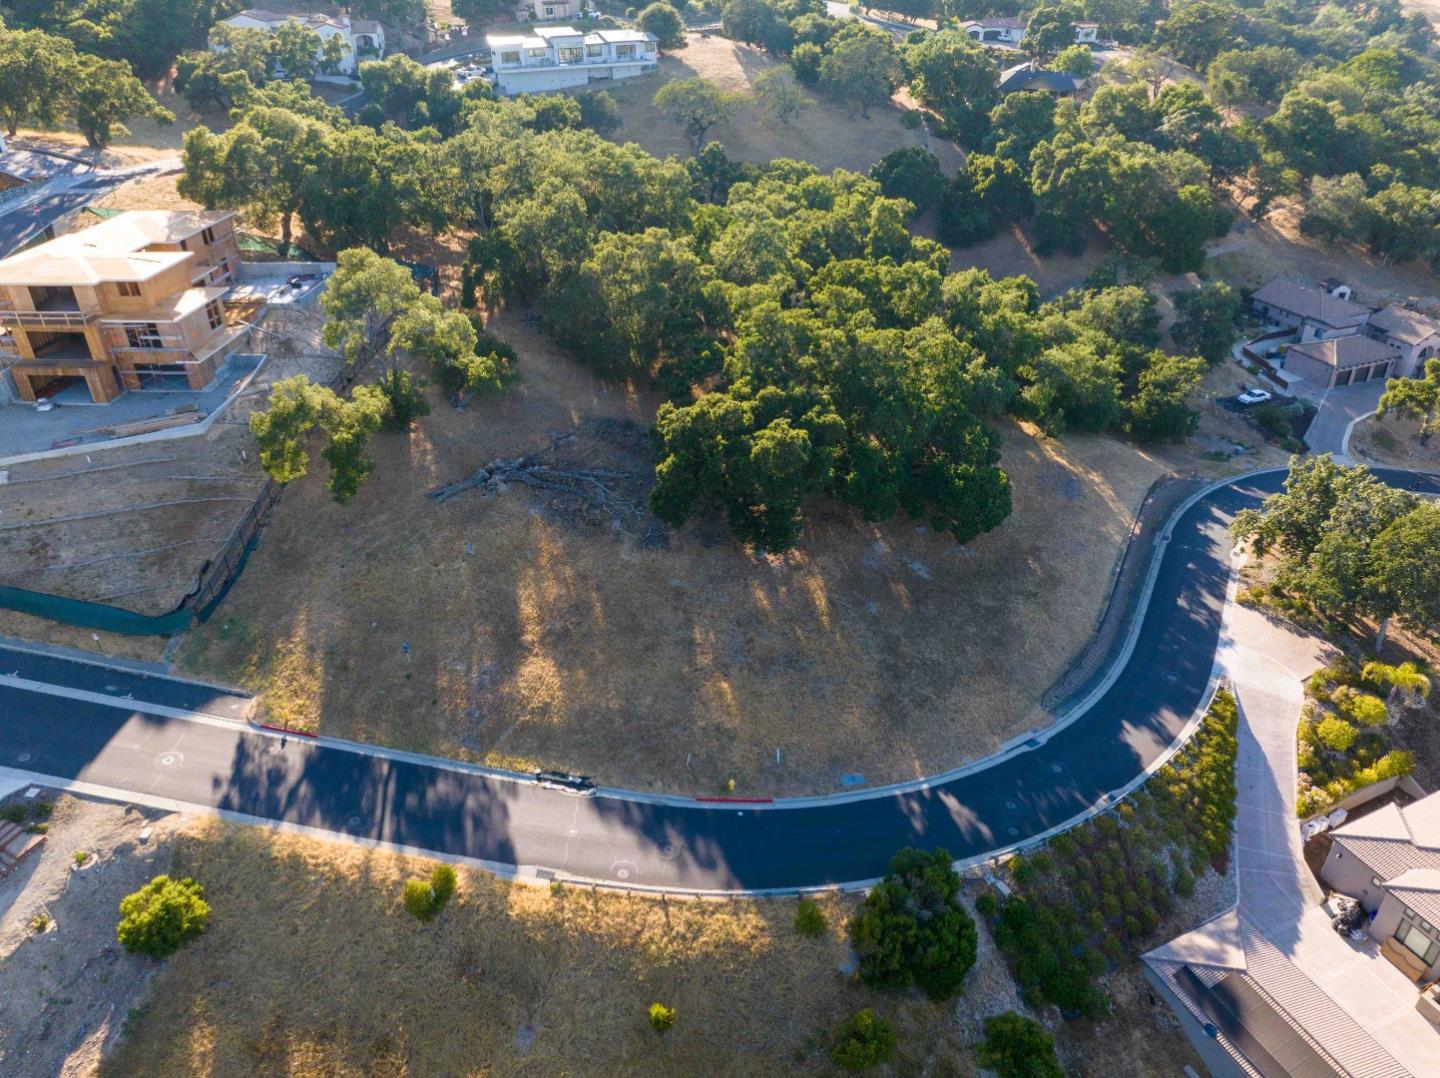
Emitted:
<point x="1341" y="743"/>
<point x="1101" y="891"/>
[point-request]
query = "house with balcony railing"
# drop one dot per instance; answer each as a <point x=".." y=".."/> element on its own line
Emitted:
<point x="557" y="57"/>
<point x="134" y="302"/>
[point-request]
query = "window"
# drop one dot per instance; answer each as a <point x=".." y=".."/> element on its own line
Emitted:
<point x="184" y="245"/>
<point x="129" y="288"/>
<point x="512" y="57"/>
<point x="594" y="50"/>
<point x="144" y="336"/>
<point x="537" y="53"/>
<point x="1417" y="941"/>
<point x="214" y="314"/>
<point x="1376" y="881"/>
<point x="570" y="54"/>
<point x="625" y="50"/>
<point x="208" y="236"/>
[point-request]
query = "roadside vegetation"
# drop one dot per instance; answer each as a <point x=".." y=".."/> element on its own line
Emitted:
<point x="1092" y="899"/>
<point x="1344" y="741"/>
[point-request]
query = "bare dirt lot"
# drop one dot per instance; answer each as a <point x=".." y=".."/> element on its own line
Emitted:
<point x="134" y="526"/>
<point x="65" y="992"/>
<point x="825" y="134"/>
<point x="525" y="980"/>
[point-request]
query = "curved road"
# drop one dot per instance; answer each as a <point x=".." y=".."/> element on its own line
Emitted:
<point x="66" y="722"/>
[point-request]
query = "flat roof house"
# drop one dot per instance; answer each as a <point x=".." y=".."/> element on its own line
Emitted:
<point x="558" y="57"/>
<point x="1341" y="361"/>
<point x="1414" y="335"/>
<point x="1010" y="30"/>
<point x="132" y="302"/>
<point x="1314" y="313"/>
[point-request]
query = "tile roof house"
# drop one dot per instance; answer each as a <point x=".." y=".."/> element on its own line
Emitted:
<point x="364" y="38"/>
<point x="1252" y="1011"/>
<point x="1027" y="76"/>
<point x="1291" y="305"/>
<point x="1414" y="335"/>
<point x="1010" y="30"/>
<point x="1389" y="861"/>
<point x="1341" y="361"/>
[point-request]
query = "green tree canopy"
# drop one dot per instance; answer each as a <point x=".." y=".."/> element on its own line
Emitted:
<point x="162" y="916"/>
<point x="1417" y="399"/>
<point x="1018" y="1047"/>
<point x="107" y="93"/>
<point x="665" y="23"/>
<point x="697" y="105"/>
<point x="912" y="928"/>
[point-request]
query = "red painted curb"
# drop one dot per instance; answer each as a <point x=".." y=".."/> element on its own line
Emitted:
<point x="283" y="730"/>
<point x="739" y="800"/>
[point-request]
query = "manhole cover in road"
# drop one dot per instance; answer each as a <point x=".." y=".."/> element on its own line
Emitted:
<point x="669" y="851"/>
<point x="1057" y="768"/>
<point x="23" y="757"/>
<point x="623" y="870"/>
<point x="1171" y="677"/>
<point x="355" y="821"/>
<point x="1011" y="805"/>
<point x="1013" y="831"/>
<point x="168" y="759"/>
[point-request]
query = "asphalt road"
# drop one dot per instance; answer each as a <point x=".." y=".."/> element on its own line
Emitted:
<point x="64" y="193"/>
<point x="621" y="838"/>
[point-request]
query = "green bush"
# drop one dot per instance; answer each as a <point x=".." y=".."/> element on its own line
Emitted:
<point x="162" y="916"/>
<point x="912" y="930"/>
<point x="13" y="813"/>
<point x="863" y="1040"/>
<point x="1367" y="710"/>
<point x="809" y="918"/>
<point x="987" y="904"/>
<point x="1184" y="882"/>
<point x="1335" y="733"/>
<point x="426" y="898"/>
<point x="661" y="1017"/>
<point x="1018" y="1047"/>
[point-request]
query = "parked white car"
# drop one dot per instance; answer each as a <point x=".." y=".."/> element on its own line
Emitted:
<point x="1254" y="396"/>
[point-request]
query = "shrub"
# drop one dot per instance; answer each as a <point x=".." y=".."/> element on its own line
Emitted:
<point x="418" y="900"/>
<point x="1335" y="733"/>
<point x="81" y="858"/>
<point x="162" y="916"/>
<point x="40" y="922"/>
<point x="426" y="898"/>
<point x="1184" y="882"/>
<point x="809" y="918"/>
<point x="912" y="930"/>
<point x="1018" y="1047"/>
<point x="863" y="1040"/>
<point x="987" y="905"/>
<point x="661" y="1017"/>
<point x="1367" y="710"/>
<point x="910" y="119"/>
<point x="13" y="813"/>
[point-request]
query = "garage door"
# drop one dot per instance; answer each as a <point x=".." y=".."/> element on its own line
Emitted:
<point x="1342" y="378"/>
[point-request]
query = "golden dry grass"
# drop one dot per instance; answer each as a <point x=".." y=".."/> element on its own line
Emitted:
<point x="826" y="134"/>
<point x="880" y="649"/>
<point x="312" y="966"/>
<point x="1393" y="440"/>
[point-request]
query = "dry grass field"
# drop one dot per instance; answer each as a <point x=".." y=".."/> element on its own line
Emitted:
<point x="519" y="980"/>
<point x="676" y="661"/>
<point x="825" y="134"/>
<point x="1393" y="440"/>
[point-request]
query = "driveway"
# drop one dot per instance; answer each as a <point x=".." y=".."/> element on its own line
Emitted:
<point x="1278" y="894"/>
<point x="1339" y="410"/>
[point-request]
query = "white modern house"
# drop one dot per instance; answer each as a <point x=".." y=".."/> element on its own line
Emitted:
<point x="364" y="38"/>
<point x="557" y="57"/>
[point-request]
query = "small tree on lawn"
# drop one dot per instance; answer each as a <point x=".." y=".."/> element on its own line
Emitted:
<point x="1417" y="399"/>
<point x="912" y="930"/>
<point x="862" y="1041"/>
<point x="1018" y="1047"/>
<point x="426" y="898"/>
<point x="162" y="916"/>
